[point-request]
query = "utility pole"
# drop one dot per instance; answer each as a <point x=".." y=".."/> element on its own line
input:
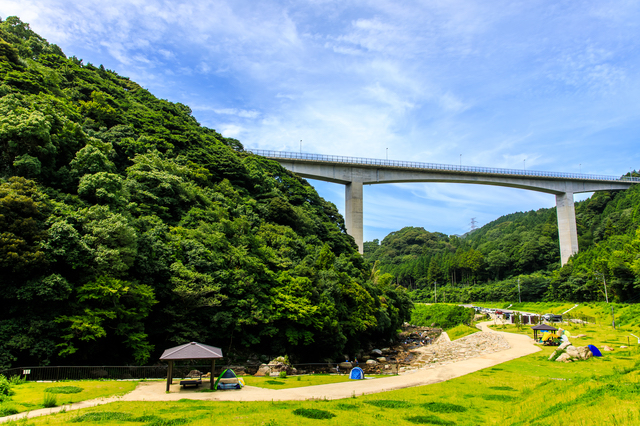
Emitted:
<point x="300" y="146"/>
<point x="387" y="154"/>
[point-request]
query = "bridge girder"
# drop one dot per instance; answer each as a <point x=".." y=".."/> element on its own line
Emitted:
<point x="354" y="177"/>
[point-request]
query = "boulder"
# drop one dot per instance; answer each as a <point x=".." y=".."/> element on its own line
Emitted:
<point x="365" y="357"/>
<point x="564" y="346"/>
<point x="552" y="355"/>
<point x="376" y="352"/>
<point x="262" y="370"/>
<point x="347" y="365"/>
<point x="565" y="357"/>
<point x="584" y="353"/>
<point x="372" y="362"/>
<point x="572" y="351"/>
<point x="386" y="350"/>
<point x="381" y="359"/>
<point x="274" y="369"/>
<point x="623" y="347"/>
<point x="607" y="348"/>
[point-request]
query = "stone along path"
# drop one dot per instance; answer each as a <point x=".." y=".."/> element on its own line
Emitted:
<point x="486" y="349"/>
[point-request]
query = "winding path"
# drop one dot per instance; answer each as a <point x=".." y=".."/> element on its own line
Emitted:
<point x="155" y="391"/>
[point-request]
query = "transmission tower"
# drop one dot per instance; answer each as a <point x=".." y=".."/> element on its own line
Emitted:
<point x="474" y="224"/>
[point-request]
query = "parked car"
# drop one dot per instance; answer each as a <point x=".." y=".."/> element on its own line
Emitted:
<point x="552" y="317"/>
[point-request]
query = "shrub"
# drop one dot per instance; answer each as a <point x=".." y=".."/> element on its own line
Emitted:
<point x="443" y="407"/>
<point x="389" y="403"/>
<point x="50" y="400"/>
<point x="430" y="420"/>
<point x="8" y="411"/>
<point x="5" y="389"/>
<point x="64" y="389"/>
<point x="283" y="375"/>
<point x="102" y="416"/>
<point x="312" y="413"/>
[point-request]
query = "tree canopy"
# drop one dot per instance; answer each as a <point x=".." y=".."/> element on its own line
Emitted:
<point x="127" y="227"/>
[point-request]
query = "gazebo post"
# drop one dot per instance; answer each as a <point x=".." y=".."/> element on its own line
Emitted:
<point x="169" y="374"/>
<point x="213" y="368"/>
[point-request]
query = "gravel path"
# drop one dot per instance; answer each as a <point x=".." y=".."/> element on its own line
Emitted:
<point x="486" y="349"/>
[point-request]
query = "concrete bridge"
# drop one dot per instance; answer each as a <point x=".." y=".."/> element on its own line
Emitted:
<point x="356" y="172"/>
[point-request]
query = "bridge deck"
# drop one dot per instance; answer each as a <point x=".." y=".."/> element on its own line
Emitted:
<point x="335" y="159"/>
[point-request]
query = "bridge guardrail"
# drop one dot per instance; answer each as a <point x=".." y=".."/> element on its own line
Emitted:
<point x="435" y="166"/>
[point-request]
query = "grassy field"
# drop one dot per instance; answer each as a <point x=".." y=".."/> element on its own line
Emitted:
<point x="297" y="381"/>
<point x="527" y="391"/>
<point x="30" y="396"/>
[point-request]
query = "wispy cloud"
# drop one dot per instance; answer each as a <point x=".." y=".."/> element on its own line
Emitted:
<point x="555" y="84"/>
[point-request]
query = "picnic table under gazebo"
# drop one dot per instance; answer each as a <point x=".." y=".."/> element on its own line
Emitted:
<point x="192" y="350"/>
<point x="541" y="327"/>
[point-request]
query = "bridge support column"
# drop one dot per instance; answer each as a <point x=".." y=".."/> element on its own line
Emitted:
<point x="567" y="229"/>
<point x="353" y="212"/>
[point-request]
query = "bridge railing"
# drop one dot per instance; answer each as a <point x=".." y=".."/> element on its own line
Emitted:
<point x="435" y="166"/>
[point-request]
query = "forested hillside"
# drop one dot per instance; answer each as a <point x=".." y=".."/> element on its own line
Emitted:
<point x="487" y="263"/>
<point x="126" y="227"/>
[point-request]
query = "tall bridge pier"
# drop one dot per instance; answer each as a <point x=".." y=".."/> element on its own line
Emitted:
<point x="356" y="172"/>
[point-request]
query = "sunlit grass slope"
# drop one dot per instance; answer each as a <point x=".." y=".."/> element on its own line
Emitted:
<point x="527" y="391"/>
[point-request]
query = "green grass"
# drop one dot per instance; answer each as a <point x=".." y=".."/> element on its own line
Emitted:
<point x="31" y="396"/>
<point x="599" y="391"/>
<point x="460" y="331"/>
<point x="298" y="381"/>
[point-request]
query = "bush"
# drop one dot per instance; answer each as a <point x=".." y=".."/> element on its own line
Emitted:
<point x="64" y="389"/>
<point x="5" y="388"/>
<point x="440" y="315"/>
<point x="283" y="375"/>
<point x="389" y="403"/>
<point x="8" y="411"/>
<point x="312" y="413"/>
<point x="50" y="400"/>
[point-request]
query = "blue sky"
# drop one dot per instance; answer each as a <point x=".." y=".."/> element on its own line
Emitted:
<point x="550" y="84"/>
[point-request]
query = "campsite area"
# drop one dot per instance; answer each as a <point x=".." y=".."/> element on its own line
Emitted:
<point x="526" y="390"/>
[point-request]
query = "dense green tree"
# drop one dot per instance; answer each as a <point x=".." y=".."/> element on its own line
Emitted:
<point x="127" y="227"/>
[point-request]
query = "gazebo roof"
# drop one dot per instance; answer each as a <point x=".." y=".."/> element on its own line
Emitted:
<point x="538" y="327"/>
<point x="192" y="350"/>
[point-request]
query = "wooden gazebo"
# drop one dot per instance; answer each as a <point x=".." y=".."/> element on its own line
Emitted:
<point x="191" y="350"/>
<point x="541" y="327"/>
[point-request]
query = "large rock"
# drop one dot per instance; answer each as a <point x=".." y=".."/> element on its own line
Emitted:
<point x="347" y="365"/>
<point x="607" y="348"/>
<point x="372" y="362"/>
<point x="565" y="357"/>
<point x="584" y="353"/>
<point x="275" y="369"/>
<point x="563" y="346"/>
<point x="572" y="351"/>
<point x="386" y="350"/>
<point x="381" y="359"/>
<point x="376" y="352"/>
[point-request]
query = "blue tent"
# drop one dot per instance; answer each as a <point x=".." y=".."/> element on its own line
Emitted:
<point x="356" y="374"/>
<point x="595" y="351"/>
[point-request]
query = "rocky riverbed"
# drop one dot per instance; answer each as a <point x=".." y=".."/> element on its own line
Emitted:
<point x="446" y="352"/>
